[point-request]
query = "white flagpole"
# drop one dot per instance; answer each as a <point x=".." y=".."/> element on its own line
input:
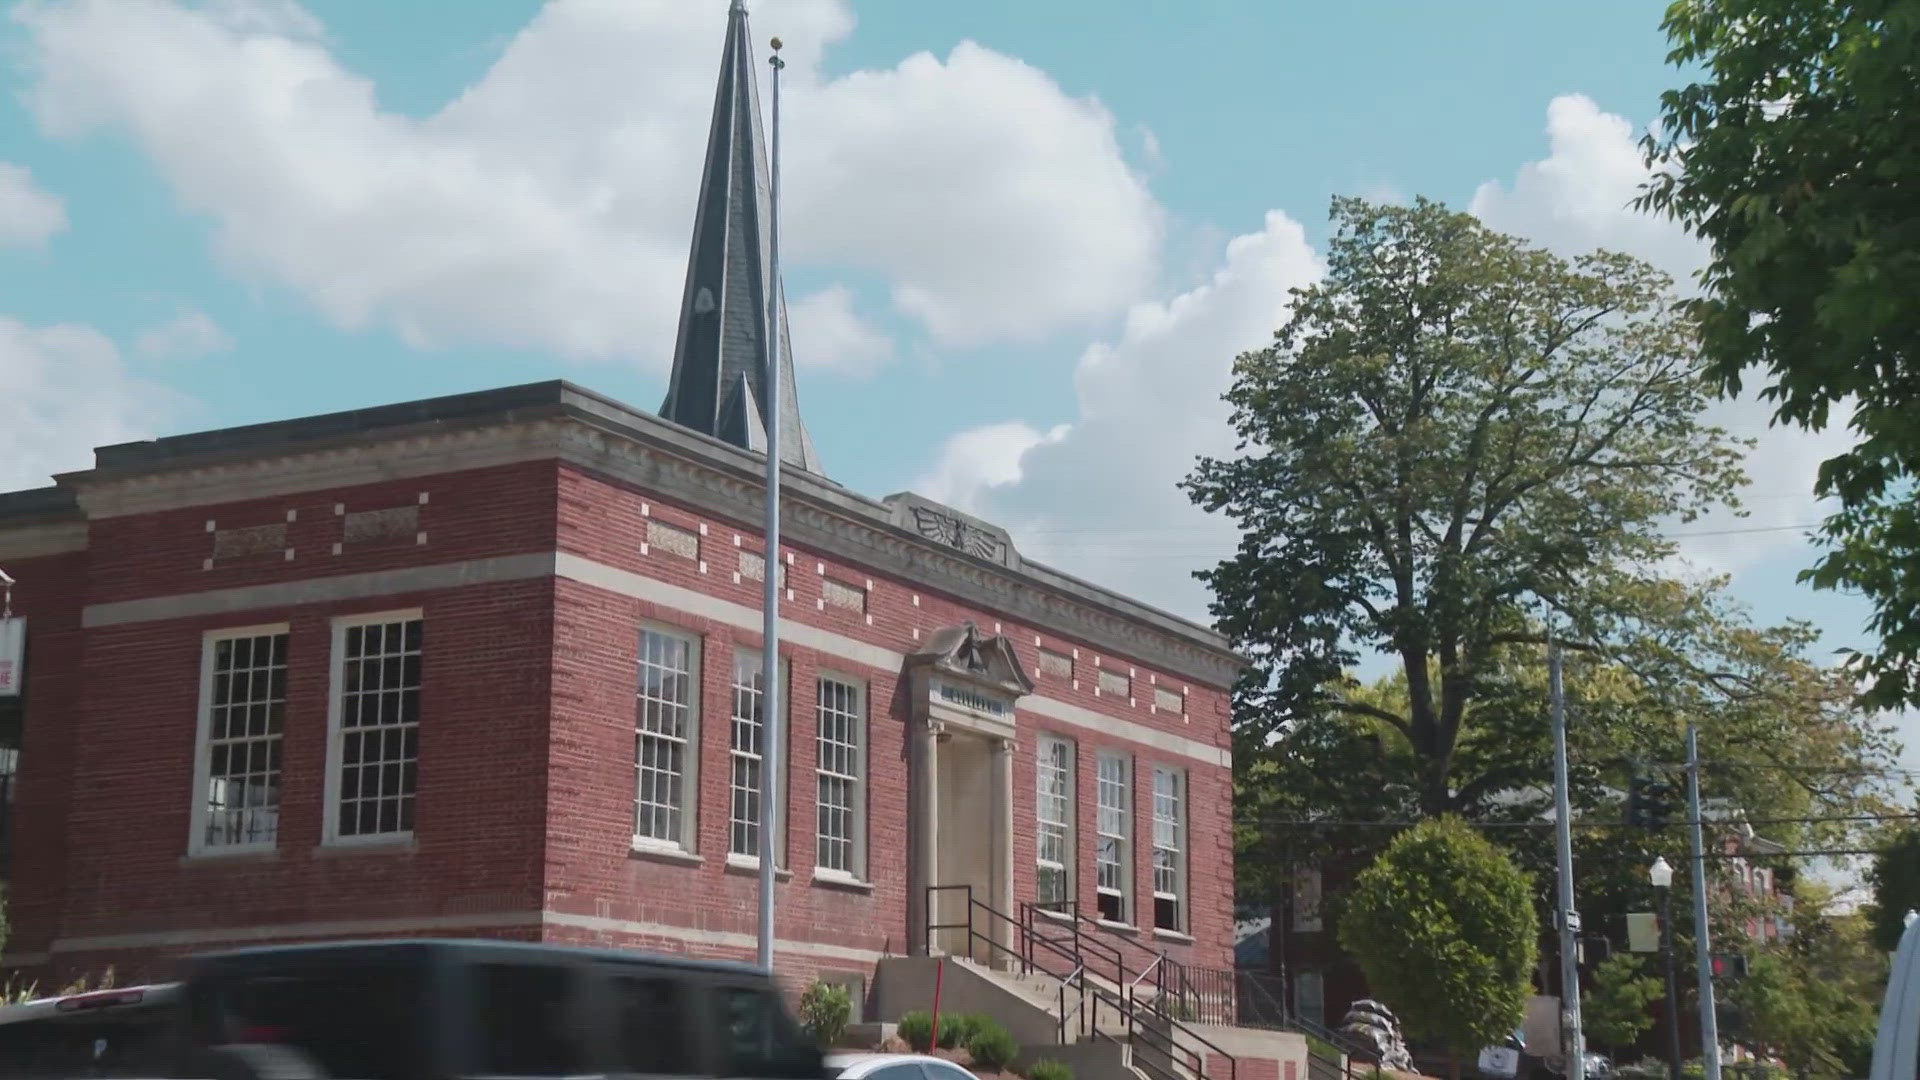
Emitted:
<point x="771" y="729"/>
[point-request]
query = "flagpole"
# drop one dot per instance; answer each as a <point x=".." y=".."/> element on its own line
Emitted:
<point x="772" y="735"/>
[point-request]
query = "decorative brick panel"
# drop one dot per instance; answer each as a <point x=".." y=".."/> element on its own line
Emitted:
<point x="1057" y="664"/>
<point x="1115" y="683"/>
<point x="369" y="526"/>
<point x="753" y="567"/>
<point x="1166" y="700"/>
<point x="839" y="594"/>
<point x="251" y="540"/>
<point x="672" y="539"/>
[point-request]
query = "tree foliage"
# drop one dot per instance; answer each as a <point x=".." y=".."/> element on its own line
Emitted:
<point x="1812" y="999"/>
<point x="1453" y="434"/>
<point x="1617" y="1006"/>
<point x="1443" y="926"/>
<point x="1896" y="888"/>
<point x="1794" y="155"/>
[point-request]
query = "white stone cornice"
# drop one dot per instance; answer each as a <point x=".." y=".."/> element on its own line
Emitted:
<point x="679" y="466"/>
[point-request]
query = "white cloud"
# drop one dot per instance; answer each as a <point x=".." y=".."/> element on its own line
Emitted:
<point x="976" y="461"/>
<point x="1099" y="499"/>
<point x="68" y="391"/>
<point x="188" y="334"/>
<point x="548" y="205"/>
<point x="29" y="215"/>
<point x="837" y="338"/>
<point x="1578" y="198"/>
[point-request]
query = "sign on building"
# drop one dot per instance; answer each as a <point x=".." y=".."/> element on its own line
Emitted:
<point x="13" y="656"/>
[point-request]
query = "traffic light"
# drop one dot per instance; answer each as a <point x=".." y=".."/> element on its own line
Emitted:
<point x="1651" y="801"/>
<point x="1730" y="966"/>
<point x="1659" y="802"/>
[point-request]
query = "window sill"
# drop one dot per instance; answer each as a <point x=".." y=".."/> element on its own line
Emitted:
<point x="398" y="845"/>
<point x="747" y="864"/>
<point x="217" y="855"/>
<point x="1172" y="935"/>
<point x="831" y="879"/>
<point x="652" y="852"/>
<point x="1118" y="927"/>
<point x="1056" y="916"/>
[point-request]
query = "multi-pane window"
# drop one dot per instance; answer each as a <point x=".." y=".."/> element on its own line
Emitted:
<point x="1111" y="865"/>
<point x="842" y="736"/>
<point x="377" y="732"/>
<point x="1169" y="842"/>
<point x="1053" y="883"/>
<point x="244" y="710"/>
<point x="665" y="739"/>
<point x="749" y="712"/>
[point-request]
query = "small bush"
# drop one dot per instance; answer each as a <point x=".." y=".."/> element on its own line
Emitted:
<point x="956" y="1029"/>
<point x="917" y="1029"/>
<point x="991" y="1047"/>
<point x="824" y="1011"/>
<point x="1050" y="1070"/>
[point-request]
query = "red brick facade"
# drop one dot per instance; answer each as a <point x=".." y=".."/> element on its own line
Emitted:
<point x="525" y="554"/>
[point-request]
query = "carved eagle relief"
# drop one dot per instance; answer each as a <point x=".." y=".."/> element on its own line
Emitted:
<point x="955" y="533"/>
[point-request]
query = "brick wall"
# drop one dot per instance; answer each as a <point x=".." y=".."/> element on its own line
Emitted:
<point x="595" y="681"/>
<point x="527" y="779"/>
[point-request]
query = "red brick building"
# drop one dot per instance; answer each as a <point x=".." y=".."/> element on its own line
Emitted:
<point x="488" y="665"/>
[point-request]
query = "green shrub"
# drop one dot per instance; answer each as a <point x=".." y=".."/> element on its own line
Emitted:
<point x="991" y="1046"/>
<point x="916" y="1028"/>
<point x="956" y="1029"/>
<point x="1050" y="1070"/>
<point x="824" y="1011"/>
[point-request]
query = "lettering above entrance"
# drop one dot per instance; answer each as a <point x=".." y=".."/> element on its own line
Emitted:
<point x="968" y="680"/>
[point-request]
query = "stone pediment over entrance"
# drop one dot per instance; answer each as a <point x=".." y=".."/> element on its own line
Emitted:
<point x="970" y="679"/>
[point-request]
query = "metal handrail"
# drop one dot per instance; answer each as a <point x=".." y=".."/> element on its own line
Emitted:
<point x="1126" y="1002"/>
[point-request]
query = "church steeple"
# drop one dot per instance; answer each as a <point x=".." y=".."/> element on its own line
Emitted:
<point x="720" y="360"/>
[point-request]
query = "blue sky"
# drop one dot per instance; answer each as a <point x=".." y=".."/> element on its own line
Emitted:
<point x="1027" y="239"/>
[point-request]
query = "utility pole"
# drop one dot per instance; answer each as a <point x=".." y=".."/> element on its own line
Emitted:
<point x="773" y="739"/>
<point x="1709" y="1024"/>
<point x="1573" y="1044"/>
<point x="1662" y="877"/>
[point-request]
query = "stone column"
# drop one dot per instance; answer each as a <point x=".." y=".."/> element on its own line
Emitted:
<point x="923" y="805"/>
<point x="1003" y="841"/>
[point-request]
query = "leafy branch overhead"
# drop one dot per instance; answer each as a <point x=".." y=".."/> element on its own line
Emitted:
<point x="1793" y="154"/>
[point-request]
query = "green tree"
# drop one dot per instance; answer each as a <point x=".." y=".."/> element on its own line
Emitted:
<point x="1794" y="155"/>
<point x="1443" y="926"/>
<point x="1618" y="1005"/>
<point x="1896" y="888"/>
<point x="1453" y="434"/>
<point x="1813" y="998"/>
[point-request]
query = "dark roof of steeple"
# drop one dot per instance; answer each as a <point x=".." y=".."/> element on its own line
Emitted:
<point x="720" y="360"/>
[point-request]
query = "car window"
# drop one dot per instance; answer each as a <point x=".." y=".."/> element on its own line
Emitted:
<point x="652" y="1034"/>
<point x="940" y="1070"/>
<point x="906" y="1070"/>
<point x="757" y="1039"/>
<point x="525" y="1025"/>
<point x="363" y="1022"/>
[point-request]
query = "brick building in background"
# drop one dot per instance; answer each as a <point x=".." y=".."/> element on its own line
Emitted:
<point x="488" y="665"/>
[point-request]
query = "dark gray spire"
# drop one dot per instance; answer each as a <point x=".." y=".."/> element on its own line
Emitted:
<point x="720" y="360"/>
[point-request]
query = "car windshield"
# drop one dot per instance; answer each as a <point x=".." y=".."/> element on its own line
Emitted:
<point x="363" y="1022"/>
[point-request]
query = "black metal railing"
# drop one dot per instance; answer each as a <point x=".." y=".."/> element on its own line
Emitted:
<point x="1058" y="945"/>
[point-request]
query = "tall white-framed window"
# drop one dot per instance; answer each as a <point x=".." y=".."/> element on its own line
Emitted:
<point x="1053" y="814"/>
<point x="1112" y="862"/>
<point x="747" y="755"/>
<point x="243" y="704"/>
<point x="840" y="773"/>
<point x="1169" y="849"/>
<point x="667" y="739"/>
<point x="373" y="725"/>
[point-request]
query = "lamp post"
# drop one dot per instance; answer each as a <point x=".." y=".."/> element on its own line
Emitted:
<point x="1661" y="875"/>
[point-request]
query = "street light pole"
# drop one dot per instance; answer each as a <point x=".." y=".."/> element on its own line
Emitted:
<point x="1662" y="875"/>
